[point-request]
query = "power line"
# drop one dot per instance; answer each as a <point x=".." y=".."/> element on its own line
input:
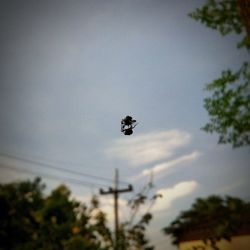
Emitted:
<point x="49" y="176"/>
<point x="47" y="165"/>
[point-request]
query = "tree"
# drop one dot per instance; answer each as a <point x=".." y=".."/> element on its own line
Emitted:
<point x="31" y="220"/>
<point x="19" y="202"/>
<point x="68" y="224"/>
<point x="215" y="218"/>
<point x="229" y="104"/>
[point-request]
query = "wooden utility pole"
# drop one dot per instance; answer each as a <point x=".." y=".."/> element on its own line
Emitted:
<point x="115" y="191"/>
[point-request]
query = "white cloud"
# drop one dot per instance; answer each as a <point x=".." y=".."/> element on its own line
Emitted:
<point x="148" y="148"/>
<point x="160" y="169"/>
<point x="173" y="193"/>
<point x="170" y="195"/>
<point x="107" y="205"/>
<point x="169" y="164"/>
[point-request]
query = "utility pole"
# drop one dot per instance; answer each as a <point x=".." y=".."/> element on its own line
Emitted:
<point x="115" y="191"/>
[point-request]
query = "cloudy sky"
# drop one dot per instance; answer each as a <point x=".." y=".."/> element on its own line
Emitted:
<point x="70" y="70"/>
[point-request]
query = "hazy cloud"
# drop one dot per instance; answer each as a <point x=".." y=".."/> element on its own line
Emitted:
<point x="169" y="194"/>
<point x="234" y="185"/>
<point x="173" y="193"/>
<point x="162" y="167"/>
<point x="148" y="148"/>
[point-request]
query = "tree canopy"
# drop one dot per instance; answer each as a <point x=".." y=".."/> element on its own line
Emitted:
<point x="229" y="103"/>
<point x="29" y="219"/>
<point x="214" y="217"/>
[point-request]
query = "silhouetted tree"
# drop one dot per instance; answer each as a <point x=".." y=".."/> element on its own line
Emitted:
<point x="229" y="103"/>
<point x="19" y="202"/>
<point x="28" y="220"/>
<point x="216" y="217"/>
<point x="31" y="220"/>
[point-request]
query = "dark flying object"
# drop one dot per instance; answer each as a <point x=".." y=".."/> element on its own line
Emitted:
<point x="127" y="125"/>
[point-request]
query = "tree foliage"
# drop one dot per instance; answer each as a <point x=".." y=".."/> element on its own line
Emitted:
<point x="215" y="217"/>
<point x="31" y="220"/>
<point x="229" y="107"/>
<point x="229" y="103"/>
<point x="222" y="15"/>
<point x="19" y="202"/>
<point x="28" y="220"/>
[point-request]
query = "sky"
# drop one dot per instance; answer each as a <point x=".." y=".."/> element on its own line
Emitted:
<point x="71" y="70"/>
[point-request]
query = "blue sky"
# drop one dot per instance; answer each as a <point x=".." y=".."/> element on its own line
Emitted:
<point x="70" y="70"/>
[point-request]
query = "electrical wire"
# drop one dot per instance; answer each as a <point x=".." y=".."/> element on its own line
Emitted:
<point x="47" y="165"/>
<point x="55" y="177"/>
